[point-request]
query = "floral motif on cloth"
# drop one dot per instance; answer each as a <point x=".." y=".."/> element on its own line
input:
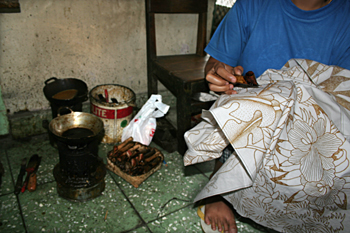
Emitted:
<point x="290" y="169"/>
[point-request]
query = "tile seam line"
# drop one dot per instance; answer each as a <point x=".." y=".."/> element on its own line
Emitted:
<point x="127" y="198"/>
<point x="17" y="198"/>
<point x="159" y="217"/>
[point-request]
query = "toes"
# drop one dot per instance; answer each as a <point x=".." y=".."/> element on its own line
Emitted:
<point x="232" y="228"/>
<point x="207" y="221"/>
<point x="213" y="225"/>
<point x="229" y="227"/>
<point x="226" y="227"/>
<point x="211" y="222"/>
<point x="220" y="227"/>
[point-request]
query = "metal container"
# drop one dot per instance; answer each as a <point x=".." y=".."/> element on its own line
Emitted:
<point x="115" y="115"/>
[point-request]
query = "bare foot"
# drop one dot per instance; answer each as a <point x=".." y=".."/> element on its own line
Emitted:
<point x="219" y="214"/>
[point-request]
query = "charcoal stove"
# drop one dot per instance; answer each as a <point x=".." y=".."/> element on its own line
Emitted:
<point x="80" y="172"/>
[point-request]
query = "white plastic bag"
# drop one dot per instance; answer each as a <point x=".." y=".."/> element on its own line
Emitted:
<point x="143" y="126"/>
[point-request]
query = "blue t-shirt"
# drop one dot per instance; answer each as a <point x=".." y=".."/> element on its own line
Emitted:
<point x="264" y="34"/>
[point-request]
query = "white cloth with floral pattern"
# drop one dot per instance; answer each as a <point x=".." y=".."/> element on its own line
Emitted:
<point x="290" y="170"/>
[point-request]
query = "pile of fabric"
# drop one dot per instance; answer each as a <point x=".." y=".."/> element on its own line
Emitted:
<point x="290" y="169"/>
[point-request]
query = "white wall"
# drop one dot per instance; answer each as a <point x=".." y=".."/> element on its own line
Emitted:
<point x="97" y="41"/>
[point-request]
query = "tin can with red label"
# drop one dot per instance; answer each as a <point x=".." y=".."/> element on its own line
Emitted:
<point x="114" y="104"/>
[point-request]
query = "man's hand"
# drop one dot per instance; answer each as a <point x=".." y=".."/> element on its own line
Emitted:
<point x="221" y="76"/>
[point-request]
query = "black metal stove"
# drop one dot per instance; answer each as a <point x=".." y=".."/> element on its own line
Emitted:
<point x="80" y="172"/>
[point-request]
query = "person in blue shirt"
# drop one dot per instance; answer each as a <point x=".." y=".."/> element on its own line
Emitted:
<point x="257" y="35"/>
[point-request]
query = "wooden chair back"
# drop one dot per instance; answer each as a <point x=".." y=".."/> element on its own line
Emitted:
<point x="182" y="74"/>
<point x="153" y="7"/>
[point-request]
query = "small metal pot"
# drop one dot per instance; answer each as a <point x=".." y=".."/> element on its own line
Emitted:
<point x="54" y="85"/>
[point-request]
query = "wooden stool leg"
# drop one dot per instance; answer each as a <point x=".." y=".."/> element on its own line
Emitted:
<point x="152" y="83"/>
<point x="183" y="109"/>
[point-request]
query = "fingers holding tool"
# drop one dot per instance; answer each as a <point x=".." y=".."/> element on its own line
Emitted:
<point x="221" y="77"/>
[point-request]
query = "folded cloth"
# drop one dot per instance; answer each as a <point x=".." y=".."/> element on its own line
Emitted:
<point x="290" y="170"/>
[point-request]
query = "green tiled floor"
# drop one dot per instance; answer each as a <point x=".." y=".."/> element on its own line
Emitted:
<point x="4" y="124"/>
<point x="163" y="203"/>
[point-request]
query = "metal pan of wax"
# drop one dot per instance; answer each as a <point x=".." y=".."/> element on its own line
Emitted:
<point x="248" y="80"/>
<point x="133" y="161"/>
<point x="64" y="91"/>
<point x="76" y="127"/>
<point x="68" y="92"/>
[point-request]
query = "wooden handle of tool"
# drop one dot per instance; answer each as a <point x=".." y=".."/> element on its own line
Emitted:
<point x="32" y="183"/>
<point x="25" y="183"/>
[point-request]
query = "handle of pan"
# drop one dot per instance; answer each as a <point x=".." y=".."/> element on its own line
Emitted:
<point x="52" y="78"/>
<point x="62" y="107"/>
